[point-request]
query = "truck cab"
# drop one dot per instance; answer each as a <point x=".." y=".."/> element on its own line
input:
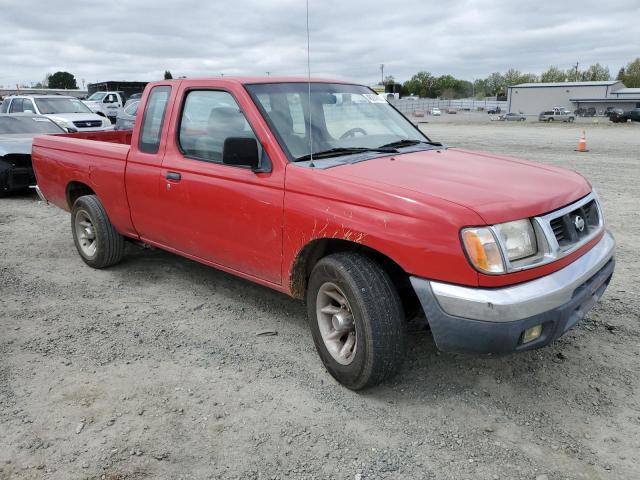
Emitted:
<point x="108" y="104"/>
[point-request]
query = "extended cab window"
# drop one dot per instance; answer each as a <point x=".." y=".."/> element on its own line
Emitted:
<point x="154" y="119"/>
<point x="209" y="117"/>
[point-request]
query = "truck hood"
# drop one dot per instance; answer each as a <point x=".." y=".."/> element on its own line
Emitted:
<point x="497" y="188"/>
<point x="19" y="143"/>
<point x="72" y="117"/>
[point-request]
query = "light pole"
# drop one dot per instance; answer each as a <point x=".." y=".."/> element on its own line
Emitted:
<point x="382" y="74"/>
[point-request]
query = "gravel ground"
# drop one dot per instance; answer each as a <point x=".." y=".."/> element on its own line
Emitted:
<point x="153" y="369"/>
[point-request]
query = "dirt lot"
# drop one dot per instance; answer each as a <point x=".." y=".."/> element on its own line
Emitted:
<point x="153" y="369"/>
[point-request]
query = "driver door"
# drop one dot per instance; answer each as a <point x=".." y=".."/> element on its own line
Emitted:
<point x="222" y="214"/>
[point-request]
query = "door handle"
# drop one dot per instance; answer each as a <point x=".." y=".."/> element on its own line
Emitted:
<point x="175" y="176"/>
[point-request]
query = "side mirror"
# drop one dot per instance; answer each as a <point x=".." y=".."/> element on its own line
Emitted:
<point x="241" y="152"/>
<point x="29" y="112"/>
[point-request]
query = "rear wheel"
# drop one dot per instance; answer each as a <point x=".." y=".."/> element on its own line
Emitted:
<point x="356" y="319"/>
<point x="550" y="120"/>
<point x="97" y="242"/>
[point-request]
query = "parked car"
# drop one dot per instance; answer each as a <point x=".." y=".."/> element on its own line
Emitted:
<point x="513" y="117"/>
<point x="435" y="111"/>
<point x="135" y="97"/>
<point x="633" y="114"/>
<point x="557" y="115"/>
<point x="617" y="115"/>
<point x="107" y="104"/>
<point x="127" y="118"/>
<point x="452" y="110"/>
<point x="16" y="134"/>
<point x="586" y="112"/>
<point x="68" y="112"/>
<point x="502" y="255"/>
<point x="494" y="111"/>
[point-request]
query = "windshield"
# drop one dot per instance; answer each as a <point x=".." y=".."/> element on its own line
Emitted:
<point x="132" y="108"/>
<point x="61" y="105"/>
<point x="28" y="124"/>
<point x="343" y="117"/>
<point x="97" y="97"/>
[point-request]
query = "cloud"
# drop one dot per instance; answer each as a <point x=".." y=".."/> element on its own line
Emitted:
<point x="139" y="40"/>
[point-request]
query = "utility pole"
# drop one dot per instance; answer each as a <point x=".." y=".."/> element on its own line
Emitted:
<point x="382" y="73"/>
<point x="576" y="78"/>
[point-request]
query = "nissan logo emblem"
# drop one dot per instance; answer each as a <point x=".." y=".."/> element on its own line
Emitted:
<point x="578" y="222"/>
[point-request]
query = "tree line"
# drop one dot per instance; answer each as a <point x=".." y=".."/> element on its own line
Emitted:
<point x="424" y="84"/>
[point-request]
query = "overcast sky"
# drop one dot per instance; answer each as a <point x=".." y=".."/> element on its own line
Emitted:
<point x="139" y="39"/>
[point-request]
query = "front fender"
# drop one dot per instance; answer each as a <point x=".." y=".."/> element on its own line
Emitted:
<point x="420" y="234"/>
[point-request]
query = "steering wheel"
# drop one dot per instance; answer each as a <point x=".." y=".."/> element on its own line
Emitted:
<point x="352" y="133"/>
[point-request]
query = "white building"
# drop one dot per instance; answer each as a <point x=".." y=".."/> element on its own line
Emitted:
<point x="533" y="98"/>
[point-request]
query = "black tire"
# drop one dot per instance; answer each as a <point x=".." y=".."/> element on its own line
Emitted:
<point x="377" y="314"/>
<point x="550" y="120"/>
<point x="109" y="244"/>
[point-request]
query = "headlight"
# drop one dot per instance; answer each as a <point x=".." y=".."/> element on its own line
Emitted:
<point x="63" y="123"/>
<point x="518" y="238"/>
<point x="514" y="241"/>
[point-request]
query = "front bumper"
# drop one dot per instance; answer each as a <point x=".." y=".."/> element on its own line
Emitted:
<point x="492" y="320"/>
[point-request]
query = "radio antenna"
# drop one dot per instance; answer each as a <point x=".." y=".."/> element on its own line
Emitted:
<point x="309" y="92"/>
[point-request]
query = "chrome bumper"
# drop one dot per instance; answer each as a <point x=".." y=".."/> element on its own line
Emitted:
<point x="40" y="194"/>
<point x="523" y="300"/>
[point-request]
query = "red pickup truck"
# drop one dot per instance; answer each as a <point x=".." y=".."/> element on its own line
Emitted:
<point x="324" y="191"/>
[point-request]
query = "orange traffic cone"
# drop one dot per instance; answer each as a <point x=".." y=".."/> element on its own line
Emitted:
<point x="582" y="143"/>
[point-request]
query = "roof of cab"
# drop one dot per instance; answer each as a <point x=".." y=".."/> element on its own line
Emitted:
<point x="247" y="80"/>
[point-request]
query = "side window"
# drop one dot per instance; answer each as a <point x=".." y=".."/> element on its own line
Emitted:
<point x="5" y="105"/>
<point x="209" y="117"/>
<point x="16" y="106"/>
<point x="28" y="105"/>
<point x="154" y="119"/>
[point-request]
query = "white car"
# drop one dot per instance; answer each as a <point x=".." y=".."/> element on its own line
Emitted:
<point x="66" y="111"/>
<point x="436" y="111"/>
<point x="109" y="104"/>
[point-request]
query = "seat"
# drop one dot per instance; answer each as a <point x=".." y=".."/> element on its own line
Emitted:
<point x="223" y="122"/>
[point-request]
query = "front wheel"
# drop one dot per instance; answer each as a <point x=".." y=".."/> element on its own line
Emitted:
<point x="97" y="242"/>
<point x="356" y="319"/>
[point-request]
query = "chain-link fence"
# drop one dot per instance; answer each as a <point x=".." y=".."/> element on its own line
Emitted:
<point x="424" y="105"/>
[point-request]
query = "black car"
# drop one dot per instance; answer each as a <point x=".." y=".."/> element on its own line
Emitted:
<point x="633" y="114"/>
<point x="616" y="115"/>
<point x="620" y="117"/>
<point x="16" y="135"/>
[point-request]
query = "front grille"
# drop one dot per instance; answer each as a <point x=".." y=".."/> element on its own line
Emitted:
<point x="88" y="123"/>
<point x="575" y="225"/>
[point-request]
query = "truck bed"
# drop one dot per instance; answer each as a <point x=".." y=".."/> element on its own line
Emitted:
<point x="76" y="161"/>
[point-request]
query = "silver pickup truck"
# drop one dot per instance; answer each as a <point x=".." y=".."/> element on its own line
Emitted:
<point x="557" y="115"/>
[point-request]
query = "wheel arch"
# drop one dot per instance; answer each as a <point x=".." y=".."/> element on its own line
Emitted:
<point x="75" y="190"/>
<point x="319" y="248"/>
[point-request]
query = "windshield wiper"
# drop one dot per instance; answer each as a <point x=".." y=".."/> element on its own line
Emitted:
<point x="337" y="152"/>
<point x="405" y="142"/>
